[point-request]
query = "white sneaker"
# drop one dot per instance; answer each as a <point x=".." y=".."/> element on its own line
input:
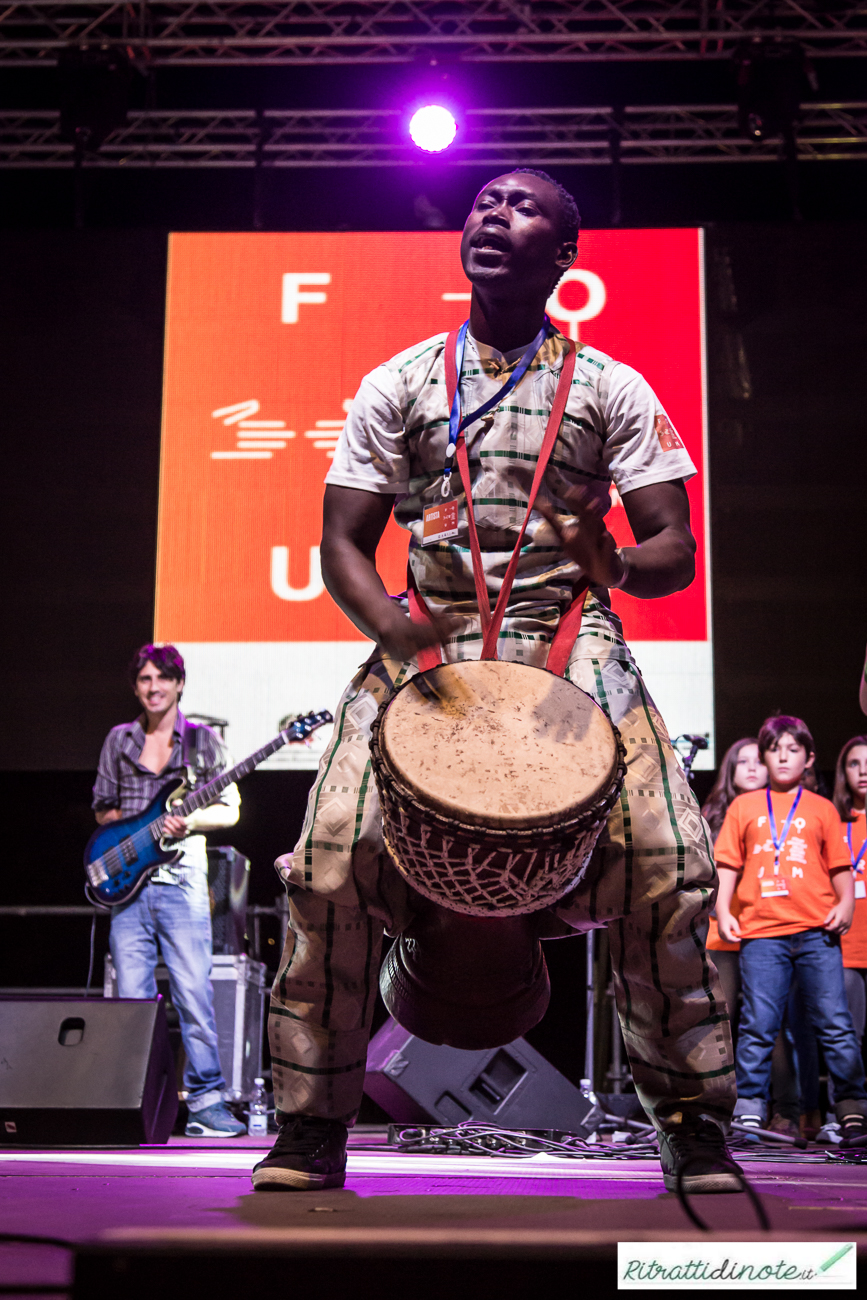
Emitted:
<point x="829" y="1134"/>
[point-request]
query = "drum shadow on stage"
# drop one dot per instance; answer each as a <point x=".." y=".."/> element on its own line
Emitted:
<point x="644" y="1209"/>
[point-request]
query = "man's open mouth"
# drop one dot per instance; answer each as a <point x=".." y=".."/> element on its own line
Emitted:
<point x="491" y="240"/>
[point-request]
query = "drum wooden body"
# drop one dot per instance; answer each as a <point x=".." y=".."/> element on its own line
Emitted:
<point x="495" y="780"/>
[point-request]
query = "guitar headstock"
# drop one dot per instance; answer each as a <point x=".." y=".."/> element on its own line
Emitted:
<point x="298" y="729"/>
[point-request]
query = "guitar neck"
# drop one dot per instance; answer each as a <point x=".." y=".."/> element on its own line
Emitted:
<point x="209" y="793"/>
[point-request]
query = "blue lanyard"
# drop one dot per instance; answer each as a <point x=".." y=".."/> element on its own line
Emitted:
<point x="458" y="424"/>
<point x="778" y="843"/>
<point x="856" y="862"/>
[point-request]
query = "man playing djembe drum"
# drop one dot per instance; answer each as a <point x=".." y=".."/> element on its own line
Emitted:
<point x="651" y="879"/>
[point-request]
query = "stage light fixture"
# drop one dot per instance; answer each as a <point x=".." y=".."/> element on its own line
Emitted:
<point x="432" y="128"/>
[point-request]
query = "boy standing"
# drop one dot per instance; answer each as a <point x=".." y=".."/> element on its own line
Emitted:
<point x="781" y="848"/>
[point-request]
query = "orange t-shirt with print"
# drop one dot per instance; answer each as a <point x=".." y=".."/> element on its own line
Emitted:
<point x="855" y="942"/>
<point x="799" y="895"/>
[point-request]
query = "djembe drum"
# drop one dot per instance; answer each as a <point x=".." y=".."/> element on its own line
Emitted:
<point x="495" y="780"/>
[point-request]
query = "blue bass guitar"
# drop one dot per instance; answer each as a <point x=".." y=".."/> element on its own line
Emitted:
<point x="121" y="855"/>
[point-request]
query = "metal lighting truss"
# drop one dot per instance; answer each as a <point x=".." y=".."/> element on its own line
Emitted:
<point x="488" y="137"/>
<point x="395" y="31"/>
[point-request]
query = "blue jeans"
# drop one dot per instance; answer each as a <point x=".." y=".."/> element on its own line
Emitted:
<point x="806" y="1050"/>
<point x="767" y="969"/>
<point x="179" y="916"/>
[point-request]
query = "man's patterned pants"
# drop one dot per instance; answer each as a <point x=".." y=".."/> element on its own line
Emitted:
<point x="651" y="882"/>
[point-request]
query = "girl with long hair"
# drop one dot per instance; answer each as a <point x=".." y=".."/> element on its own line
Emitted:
<point x="741" y="770"/>
<point x="850" y="791"/>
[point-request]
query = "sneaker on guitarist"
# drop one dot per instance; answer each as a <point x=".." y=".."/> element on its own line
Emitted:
<point x="170" y="915"/>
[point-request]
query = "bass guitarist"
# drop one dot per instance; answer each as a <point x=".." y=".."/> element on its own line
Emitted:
<point x="138" y="759"/>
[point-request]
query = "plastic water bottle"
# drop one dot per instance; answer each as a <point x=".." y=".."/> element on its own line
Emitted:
<point x="257" y="1123"/>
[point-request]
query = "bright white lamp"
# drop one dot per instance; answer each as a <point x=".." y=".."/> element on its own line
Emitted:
<point x="433" y="128"/>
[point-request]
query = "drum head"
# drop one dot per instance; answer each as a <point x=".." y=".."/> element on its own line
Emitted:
<point x="499" y="744"/>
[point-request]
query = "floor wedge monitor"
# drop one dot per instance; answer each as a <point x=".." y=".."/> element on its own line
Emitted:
<point x="511" y="1086"/>
<point x="85" y="1071"/>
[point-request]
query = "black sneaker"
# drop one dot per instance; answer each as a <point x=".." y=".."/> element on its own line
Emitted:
<point x="698" y="1148"/>
<point x="853" y="1131"/>
<point x="309" y="1154"/>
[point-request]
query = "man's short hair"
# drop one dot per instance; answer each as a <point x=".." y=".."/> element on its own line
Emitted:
<point x="782" y="724"/>
<point x="570" y="217"/>
<point x="166" y="658"/>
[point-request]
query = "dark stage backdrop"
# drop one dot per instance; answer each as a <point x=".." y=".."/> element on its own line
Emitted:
<point x="81" y="328"/>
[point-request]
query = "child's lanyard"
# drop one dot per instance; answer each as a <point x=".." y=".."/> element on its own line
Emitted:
<point x="856" y="861"/>
<point x="787" y="825"/>
<point x="456" y="423"/>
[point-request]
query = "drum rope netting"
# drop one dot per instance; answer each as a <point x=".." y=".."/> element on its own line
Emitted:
<point x="485" y="871"/>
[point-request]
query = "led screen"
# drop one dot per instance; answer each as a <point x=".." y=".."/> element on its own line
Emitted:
<point x="267" y="338"/>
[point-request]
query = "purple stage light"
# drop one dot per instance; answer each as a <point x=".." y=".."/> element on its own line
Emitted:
<point x="433" y="128"/>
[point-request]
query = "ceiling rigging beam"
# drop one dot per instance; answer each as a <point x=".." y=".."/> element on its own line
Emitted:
<point x="285" y="32"/>
<point x="488" y="137"/>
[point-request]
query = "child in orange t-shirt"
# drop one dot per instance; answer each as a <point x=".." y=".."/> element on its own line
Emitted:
<point x="781" y="848"/>
<point x="794" y="1109"/>
<point x="850" y="792"/>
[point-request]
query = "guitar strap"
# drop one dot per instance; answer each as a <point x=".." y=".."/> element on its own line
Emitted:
<point x="193" y="757"/>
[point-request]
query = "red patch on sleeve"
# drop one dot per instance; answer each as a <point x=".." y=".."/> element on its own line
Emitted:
<point x="669" y="438"/>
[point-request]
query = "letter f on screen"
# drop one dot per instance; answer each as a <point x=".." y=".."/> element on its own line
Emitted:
<point x="293" y="295"/>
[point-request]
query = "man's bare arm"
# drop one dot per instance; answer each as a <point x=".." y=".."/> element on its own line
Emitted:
<point x="663" y="560"/>
<point x="353" y="523"/>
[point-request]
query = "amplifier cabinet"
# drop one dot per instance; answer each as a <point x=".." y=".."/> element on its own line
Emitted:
<point x="239" y="1001"/>
<point x="228" y="878"/>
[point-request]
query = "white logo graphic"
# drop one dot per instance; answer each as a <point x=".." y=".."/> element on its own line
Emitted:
<point x="573" y="316"/>
<point x="293" y="296"/>
<point x="326" y="434"/>
<point x="280" y="576"/>
<point x="256" y="439"/>
<point x="797" y="850"/>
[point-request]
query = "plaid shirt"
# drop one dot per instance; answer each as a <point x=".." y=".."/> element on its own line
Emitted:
<point x="122" y="780"/>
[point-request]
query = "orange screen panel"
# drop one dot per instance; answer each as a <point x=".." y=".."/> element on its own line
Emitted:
<point x="268" y="337"/>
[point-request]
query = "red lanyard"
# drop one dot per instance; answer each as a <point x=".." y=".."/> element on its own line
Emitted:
<point x="570" y="623"/>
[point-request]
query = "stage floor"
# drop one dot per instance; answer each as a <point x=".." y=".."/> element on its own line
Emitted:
<point x="190" y="1195"/>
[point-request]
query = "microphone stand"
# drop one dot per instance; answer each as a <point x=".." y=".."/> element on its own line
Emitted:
<point x="696" y="743"/>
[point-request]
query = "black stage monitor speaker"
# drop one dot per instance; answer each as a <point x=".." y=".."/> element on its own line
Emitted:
<point x="512" y="1086"/>
<point x="85" y="1072"/>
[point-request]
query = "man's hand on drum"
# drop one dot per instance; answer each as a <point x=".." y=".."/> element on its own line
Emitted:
<point x="584" y="537"/>
<point x="353" y="523"/>
<point x="402" y="639"/>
